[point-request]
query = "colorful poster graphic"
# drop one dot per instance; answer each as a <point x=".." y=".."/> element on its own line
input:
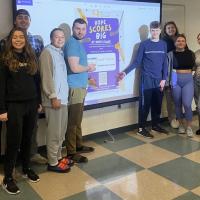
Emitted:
<point x="25" y="2"/>
<point x="101" y="44"/>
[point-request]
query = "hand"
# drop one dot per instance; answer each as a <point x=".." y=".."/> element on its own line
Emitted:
<point x="121" y="76"/>
<point x="4" y="117"/>
<point x="162" y="84"/>
<point x="91" y="67"/>
<point x="92" y="82"/>
<point x="55" y="103"/>
<point x="39" y="108"/>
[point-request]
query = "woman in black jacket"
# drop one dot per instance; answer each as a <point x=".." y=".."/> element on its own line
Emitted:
<point x="18" y="104"/>
<point x="170" y="31"/>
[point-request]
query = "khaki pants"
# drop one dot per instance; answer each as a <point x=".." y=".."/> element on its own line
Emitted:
<point x="56" y="129"/>
<point x="75" y="115"/>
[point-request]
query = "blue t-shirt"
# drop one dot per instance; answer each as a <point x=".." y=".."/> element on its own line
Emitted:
<point x="152" y="57"/>
<point x="74" y="48"/>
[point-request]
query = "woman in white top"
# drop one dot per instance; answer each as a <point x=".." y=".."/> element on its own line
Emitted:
<point x="197" y="82"/>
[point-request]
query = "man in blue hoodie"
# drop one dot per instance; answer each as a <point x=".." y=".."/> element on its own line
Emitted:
<point x="152" y="57"/>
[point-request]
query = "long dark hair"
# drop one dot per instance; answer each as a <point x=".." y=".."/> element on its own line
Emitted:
<point x="170" y="23"/>
<point x="10" y="59"/>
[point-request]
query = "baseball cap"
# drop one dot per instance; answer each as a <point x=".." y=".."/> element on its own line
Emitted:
<point x="22" y="12"/>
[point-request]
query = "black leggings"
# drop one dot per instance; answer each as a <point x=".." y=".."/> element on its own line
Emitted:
<point x="20" y="124"/>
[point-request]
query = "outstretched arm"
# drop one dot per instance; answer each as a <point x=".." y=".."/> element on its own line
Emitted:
<point x="135" y="64"/>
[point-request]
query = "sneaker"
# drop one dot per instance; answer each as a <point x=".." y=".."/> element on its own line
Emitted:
<point x="66" y="161"/>
<point x="59" y="168"/>
<point x="181" y="130"/>
<point x="84" y="149"/>
<point x="198" y="132"/>
<point x="189" y="131"/>
<point x="77" y="158"/>
<point x="10" y="186"/>
<point x="31" y="175"/>
<point x="159" y="129"/>
<point x="37" y="158"/>
<point x="174" y="123"/>
<point x="143" y="132"/>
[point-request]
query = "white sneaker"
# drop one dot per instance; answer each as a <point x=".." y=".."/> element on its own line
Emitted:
<point x="37" y="158"/>
<point x="181" y="130"/>
<point x="174" y="123"/>
<point x="189" y="131"/>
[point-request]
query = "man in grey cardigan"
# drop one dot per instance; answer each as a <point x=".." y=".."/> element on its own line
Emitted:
<point x="54" y="89"/>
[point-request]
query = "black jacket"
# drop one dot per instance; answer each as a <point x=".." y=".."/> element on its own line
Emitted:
<point x="17" y="86"/>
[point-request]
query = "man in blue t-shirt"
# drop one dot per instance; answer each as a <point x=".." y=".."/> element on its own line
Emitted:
<point x="152" y="56"/>
<point x="78" y="68"/>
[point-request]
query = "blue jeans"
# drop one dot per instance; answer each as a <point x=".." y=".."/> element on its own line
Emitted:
<point x="183" y="93"/>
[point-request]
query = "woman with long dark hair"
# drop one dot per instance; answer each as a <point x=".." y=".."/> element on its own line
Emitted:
<point x="18" y="104"/>
<point x="170" y="31"/>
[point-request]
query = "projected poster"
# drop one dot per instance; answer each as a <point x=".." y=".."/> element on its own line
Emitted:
<point x="101" y="50"/>
<point x="114" y="31"/>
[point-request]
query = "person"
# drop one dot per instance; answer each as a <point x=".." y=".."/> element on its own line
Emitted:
<point x="23" y="20"/>
<point x="182" y="61"/>
<point x="170" y="31"/>
<point x="152" y="56"/>
<point x="78" y="68"/>
<point x="53" y="72"/>
<point x="19" y="101"/>
<point x="197" y="82"/>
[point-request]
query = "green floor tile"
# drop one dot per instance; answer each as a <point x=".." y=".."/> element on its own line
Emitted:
<point x="188" y="196"/>
<point x="182" y="171"/>
<point x="27" y="193"/>
<point x="178" y="144"/>
<point x="122" y="141"/>
<point x="110" y="167"/>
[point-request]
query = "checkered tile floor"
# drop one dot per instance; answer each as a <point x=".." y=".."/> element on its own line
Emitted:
<point x="132" y="168"/>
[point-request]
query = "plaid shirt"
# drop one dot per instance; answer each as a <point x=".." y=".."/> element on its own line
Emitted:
<point x="36" y="42"/>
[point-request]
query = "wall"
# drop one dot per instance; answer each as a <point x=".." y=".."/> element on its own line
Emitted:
<point x="113" y="117"/>
<point x="192" y="16"/>
<point x="171" y="12"/>
<point x="5" y="17"/>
